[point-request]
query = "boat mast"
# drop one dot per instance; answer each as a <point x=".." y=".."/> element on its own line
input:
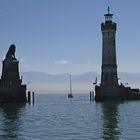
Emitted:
<point x="70" y="86"/>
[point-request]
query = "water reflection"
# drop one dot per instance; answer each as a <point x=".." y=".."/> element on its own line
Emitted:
<point x="10" y="120"/>
<point x="110" y="120"/>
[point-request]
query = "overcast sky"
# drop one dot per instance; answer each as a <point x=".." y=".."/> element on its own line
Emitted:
<point x="64" y="36"/>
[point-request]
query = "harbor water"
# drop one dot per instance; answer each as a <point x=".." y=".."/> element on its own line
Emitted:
<point x="55" y="117"/>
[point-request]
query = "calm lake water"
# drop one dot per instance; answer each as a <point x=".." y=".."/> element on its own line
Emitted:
<point x="55" y="117"/>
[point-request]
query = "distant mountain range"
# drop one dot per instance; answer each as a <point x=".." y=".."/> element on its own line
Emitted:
<point x="82" y="83"/>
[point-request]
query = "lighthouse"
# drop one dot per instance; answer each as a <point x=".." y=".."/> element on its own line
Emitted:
<point x="109" y="89"/>
<point x="109" y="78"/>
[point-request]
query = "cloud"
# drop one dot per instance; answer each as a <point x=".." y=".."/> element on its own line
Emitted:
<point x="24" y="63"/>
<point x="60" y="62"/>
<point x="23" y="60"/>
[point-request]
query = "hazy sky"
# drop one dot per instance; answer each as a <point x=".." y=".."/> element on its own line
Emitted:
<point x="64" y="36"/>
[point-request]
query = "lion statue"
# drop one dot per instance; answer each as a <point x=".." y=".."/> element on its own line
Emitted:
<point x="11" y="52"/>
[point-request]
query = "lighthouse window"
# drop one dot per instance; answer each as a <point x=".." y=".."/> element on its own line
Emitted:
<point x="108" y="18"/>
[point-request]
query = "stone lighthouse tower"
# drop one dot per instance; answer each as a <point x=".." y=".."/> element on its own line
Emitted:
<point x="109" y="89"/>
<point x="109" y="66"/>
<point x="109" y="79"/>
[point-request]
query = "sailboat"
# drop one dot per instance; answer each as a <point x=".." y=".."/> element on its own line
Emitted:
<point x="70" y="95"/>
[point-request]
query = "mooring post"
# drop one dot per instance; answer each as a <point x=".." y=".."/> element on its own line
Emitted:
<point x="33" y="95"/>
<point x="91" y="95"/>
<point x="29" y="96"/>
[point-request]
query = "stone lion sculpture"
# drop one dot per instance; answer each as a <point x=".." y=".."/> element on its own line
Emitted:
<point x="11" y="52"/>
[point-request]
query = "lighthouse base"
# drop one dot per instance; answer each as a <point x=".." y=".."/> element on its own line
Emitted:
<point x="116" y="93"/>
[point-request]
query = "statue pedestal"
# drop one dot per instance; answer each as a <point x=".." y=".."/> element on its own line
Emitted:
<point x="11" y="87"/>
